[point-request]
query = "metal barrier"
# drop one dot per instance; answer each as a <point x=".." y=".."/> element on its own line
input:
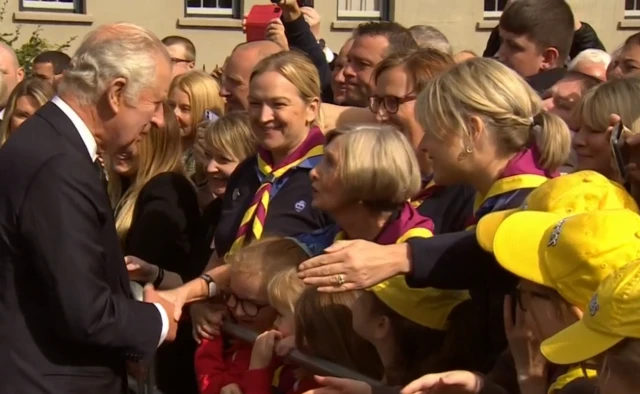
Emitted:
<point x="318" y="366"/>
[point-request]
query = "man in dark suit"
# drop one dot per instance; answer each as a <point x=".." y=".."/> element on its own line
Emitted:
<point x="68" y="324"/>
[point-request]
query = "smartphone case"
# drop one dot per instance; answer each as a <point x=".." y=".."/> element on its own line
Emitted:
<point x="258" y="20"/>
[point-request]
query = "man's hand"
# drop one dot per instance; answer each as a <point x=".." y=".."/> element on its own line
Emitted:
<point x="340" y="386"/>
<point x="453" y="382"/>
<point x="152" y="296"/>
<point x="313" y="19"/>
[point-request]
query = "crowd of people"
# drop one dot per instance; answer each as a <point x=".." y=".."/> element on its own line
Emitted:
<point x="437" y="222"/>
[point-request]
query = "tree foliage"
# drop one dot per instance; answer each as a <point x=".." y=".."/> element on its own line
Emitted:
<point x="31" y="48"/>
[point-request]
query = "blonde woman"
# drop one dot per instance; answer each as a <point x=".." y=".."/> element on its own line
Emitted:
<point x="484" y="126"/>
<point x="27" y="97"/>
<point x="594" y="113"/>
<point x="190" y="95"/>
<point x="157" y="219"/>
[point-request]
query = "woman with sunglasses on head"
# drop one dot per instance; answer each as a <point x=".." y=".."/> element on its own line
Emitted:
<point x="398" y="80"/>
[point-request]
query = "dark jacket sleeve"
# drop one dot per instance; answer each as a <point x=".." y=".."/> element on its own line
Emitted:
<point x="493" y="44"/>
<point x="165" y="222"/>
<point x="301" y="38"/>
<point x="585" y="38"/>
<point x="64" y="235"/>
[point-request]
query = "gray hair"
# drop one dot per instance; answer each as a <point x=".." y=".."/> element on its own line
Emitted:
<point x="430" y="37"/>
<point x="596" y="56"/>
<point x="120" y="50"/>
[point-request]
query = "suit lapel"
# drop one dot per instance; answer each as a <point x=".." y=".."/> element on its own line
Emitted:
<point x="61" y="123"/>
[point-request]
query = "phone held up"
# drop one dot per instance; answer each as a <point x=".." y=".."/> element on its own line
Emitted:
<point x="258" y="19"/>
<point x="301" y="3"/>
<point x="620" y="151"/>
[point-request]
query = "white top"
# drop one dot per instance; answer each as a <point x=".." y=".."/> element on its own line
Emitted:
<point x="92" y="147"/>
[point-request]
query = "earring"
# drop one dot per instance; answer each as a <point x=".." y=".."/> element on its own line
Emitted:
<point x="468" y="150"/>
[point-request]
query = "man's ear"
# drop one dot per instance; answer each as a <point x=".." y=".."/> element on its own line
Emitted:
<point x="550" y="58"/>
<point x="115" y="94"/>
<point x="20" y="74"/>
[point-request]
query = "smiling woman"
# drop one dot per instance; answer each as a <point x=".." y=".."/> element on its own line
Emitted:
<point x="27" y="97"/>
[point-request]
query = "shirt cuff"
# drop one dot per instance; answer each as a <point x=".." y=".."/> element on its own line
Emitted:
<point x="165" y="323"/>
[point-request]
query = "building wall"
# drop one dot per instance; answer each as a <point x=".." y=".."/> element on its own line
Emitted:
<point x="461" y="20"/>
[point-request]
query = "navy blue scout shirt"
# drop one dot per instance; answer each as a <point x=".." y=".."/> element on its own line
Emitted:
<point x="290" y="212"/>
<point x="450" y="208"/>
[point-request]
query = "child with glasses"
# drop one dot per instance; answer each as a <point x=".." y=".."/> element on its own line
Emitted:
<point x="221" y="362"/>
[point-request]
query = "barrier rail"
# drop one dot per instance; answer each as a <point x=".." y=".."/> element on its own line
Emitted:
<point x="317" y="365"/>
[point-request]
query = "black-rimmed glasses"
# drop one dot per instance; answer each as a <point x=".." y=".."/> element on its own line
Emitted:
<point x="250" y="308"/>
<point x="176" y="60"/>
<point x="391" y="103"/>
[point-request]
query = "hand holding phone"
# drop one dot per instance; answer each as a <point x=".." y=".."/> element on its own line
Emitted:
<point x="258" y="19"/>
<point x="620" y="150"/>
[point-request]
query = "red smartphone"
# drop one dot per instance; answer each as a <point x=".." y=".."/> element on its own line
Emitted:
<point x="620" y="151"/>
<point x="301" y="3"/>
<point x="258" y="20"/>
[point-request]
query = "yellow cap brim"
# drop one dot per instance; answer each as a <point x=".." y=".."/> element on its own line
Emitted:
<point x="488" y="226"/>
<point x="577" y="343"/>
<point x="518" y="244"/>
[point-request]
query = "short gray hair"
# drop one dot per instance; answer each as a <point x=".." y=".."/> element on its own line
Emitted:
<point x="120" y="50"/>
<point x="596" y="56"/>
<point x="430" y="37"/>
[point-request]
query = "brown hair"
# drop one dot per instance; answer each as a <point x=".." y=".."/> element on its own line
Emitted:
<point x="420" y="350"/>
<point x="266" y="257"/>
<point x="188" y="46"/>
<point x="324" y="329"/>
<point x="548" y="23"/>
<point x="420" y="65"/>
<point x="399" y="37"/>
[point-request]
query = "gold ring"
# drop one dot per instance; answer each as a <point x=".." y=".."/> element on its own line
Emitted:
<point x="340" y="279"/>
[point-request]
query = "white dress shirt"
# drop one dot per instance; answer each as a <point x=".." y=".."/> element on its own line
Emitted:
<point x="92" y="147"/>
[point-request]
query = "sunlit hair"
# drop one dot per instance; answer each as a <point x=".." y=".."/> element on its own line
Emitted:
<point x="230" y="135"/>
<point x="430" y="37"/>
<point x="618" y="96"/>
<point x="622" y="363"/>
<point x="189" y="48"/>
<point x="35" y="88"/>
<point x="503" y="100"/>
<point x="296" y="68"/>
<point x="591" y="55"/>
<point x="420" y="66"/>
<point x="203" y="92"/>
<point x="119" y="50"/>
<point x="266" y="257"/>
<point x="324" y="329"/>
<point x="377" y="165"/>
<point x="159" y="151"/>
<point x="284" y="289"/>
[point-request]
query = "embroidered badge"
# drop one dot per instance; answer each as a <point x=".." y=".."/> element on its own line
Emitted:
<point x="235" y="195"/>
<point x="594" y="305"/>
<point x="555" y="234"/>
<point x="300" y="206"/>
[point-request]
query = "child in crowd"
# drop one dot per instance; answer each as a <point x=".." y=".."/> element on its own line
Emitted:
<point x="219" y="362"/>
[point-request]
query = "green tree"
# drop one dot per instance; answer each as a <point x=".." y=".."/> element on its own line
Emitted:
<point x="33" y="46"/>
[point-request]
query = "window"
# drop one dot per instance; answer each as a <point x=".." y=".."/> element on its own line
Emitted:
<point x="213" y="8"/>
<point x="361" y="9"/>
<point x="52" y="5"/>
<point x="632" y="8"/>
<point x="493" y="8"/>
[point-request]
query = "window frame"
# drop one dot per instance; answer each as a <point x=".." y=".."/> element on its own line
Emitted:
<point x="74" y="7"/>
<point x="495" y="14"/>
<point x="635" y="13"/>
<point x="384" y="14"/>
<point x="204" y="12"/>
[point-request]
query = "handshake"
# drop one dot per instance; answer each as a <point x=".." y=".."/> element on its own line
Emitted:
<point x="171" y="301"/>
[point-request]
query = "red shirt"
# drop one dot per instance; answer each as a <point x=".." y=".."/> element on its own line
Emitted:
<point x="280" y="380"/>
<point x="216" y="367"/>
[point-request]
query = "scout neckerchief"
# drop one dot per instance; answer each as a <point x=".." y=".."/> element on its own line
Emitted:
<point x="252" y="224"/>
<point x="522" y="172"/>
<point x="405" y="224"/>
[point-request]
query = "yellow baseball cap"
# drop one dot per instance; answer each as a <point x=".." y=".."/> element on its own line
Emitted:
<point x="583" y="191"/>
<point x="571" y="254"/>
<point x="613" y="315"/>
<point x="428" y="307"/>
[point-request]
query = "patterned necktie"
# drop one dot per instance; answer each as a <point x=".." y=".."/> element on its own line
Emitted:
<point x="252" y="224"/>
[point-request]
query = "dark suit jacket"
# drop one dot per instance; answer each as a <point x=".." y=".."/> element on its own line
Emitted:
<point x="67" y="320"/>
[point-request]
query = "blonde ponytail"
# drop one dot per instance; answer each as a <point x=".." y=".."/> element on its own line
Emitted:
<point x="553" y="140"/>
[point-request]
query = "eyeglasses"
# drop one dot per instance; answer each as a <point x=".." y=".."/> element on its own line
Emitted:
<point x="176" y="60"/>
<point x="250" y="308"/>
<point x="391" y="103"/>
